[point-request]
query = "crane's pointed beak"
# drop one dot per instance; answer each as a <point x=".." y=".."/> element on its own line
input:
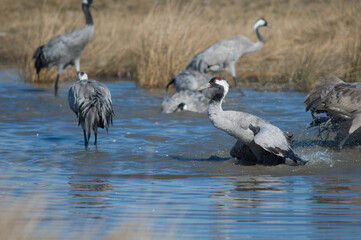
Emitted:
<point x="208" y="85"/>
<point x="270" y="26"/>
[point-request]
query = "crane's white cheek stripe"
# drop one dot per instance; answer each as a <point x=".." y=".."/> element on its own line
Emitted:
<point x="224" y="84"/>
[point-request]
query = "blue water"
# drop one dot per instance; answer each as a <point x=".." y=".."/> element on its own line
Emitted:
<point x="169" y="175"/>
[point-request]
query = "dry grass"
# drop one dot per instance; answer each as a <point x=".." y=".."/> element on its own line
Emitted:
<point x="153" y="40"/>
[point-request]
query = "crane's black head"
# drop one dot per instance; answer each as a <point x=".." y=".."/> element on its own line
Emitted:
<point x="218" y="88"/>
<point x="182" y="106"/>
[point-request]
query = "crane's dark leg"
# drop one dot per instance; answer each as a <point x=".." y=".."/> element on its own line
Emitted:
<point x="340" y="145"/>
<point x="238" y="87"/>
<point x="95" y="136"/>
<point x="85" y="139"/>
<point x="235" y="81"/>
<point x="231" y="69"/>
<point x="56" y="85"/>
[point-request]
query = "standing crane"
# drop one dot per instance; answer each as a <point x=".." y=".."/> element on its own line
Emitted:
<point x="223" y="54"/>
<point x="342" y="103"/>
<point x="267" y="143"/>
<point x="91" y="101"/>
<point x="65" y="49"/>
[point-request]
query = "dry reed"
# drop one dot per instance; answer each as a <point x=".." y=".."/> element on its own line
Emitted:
<point x="154" y="40"/>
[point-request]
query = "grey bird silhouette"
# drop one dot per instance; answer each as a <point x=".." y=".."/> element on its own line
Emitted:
<point x="267" y="143"/>
<point x="223" y="54"/>
<point x="186" y="100"/>
<point x="189" y="80"/>
<point x="91" y="101"/>
<point x="65" y="49"/>
<point x="342" y="104"/>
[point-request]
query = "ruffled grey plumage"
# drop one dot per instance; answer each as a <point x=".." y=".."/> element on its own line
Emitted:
<point x="91" y="101"/>
<point x="342" y="103"/>
<point x="191" y="101"/>
<point x="315" y="99"/>
<point x="267" y="143"/>
<point x="189" y="80"/>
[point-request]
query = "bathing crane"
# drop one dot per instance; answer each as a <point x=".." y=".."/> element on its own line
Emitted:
<point x="267" y="143"/>
<point x="341" y="102"/>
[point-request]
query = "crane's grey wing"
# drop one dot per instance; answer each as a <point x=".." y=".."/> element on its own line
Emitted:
<point x="186" y="80"/>
<point x="314" y="100"/>
<point x="344" y="102"/>
<point x="79" y="93"/>
<point x="102" y="92"/>
<point x="89" y="94"/>
<point x="202" y="78"/>
<point x="220" y="54"/>
<point x="270" y="138"/>
<point x="101" y="89"/>
<point x="193" y="101"/>
<point x="227" y="50"/>
<point x="66" y="45"/>
<point x="57" y="47"/>
<point x="191" y="80"/>
<point x="106" y="107"/>
<point x="73" y="97"/>
<point x="197" y="63"/>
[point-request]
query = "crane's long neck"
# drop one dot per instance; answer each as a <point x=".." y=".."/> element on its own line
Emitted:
<point x="260" y="39"/>
<point x="259" y="44"/>
<point x="215" y="111"/>
<point x="88" y="16"/>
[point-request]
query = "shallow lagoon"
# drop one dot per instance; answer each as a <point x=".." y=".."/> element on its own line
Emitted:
<point x="170" y="173"/>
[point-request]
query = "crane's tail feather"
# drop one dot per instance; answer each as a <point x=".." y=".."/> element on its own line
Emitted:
<point x="172" y="81"/>
<point x="39" y="59"/>
<point x="198" y="64"/>
<point x="37" y="52"/>
<point x="293" y="160"/>
<point x="96" y="112"/>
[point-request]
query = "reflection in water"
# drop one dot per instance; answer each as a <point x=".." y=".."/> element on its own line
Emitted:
<point x="339" y="191"/>
<point x="327" y="203"/>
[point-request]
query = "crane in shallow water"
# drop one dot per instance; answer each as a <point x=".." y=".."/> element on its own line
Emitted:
<point x="189" y="80"/>
<point x="185" y="100"/>
<point x="65" y="49"/>
<point x="91" y="101"/>
<point x="266" y="142"/>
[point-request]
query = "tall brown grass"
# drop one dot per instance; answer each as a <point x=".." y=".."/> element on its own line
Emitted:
<point x="153" y="40"/>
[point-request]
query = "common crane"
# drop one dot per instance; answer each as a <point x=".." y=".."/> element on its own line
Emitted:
<point x="342" y="104"/>
<point x="223" y="54"/>
<point x="90" y="100"/>
<point x="65" y="49"/>
<point x="267" y="143"/>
